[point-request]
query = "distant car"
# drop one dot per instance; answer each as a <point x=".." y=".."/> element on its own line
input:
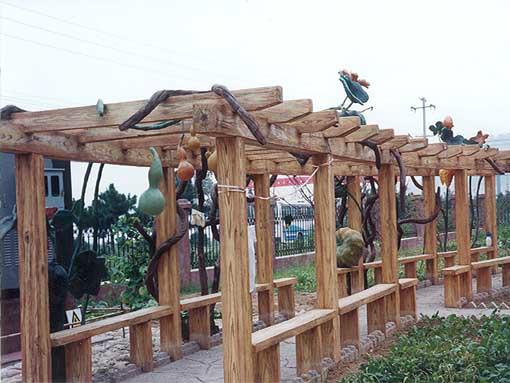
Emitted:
<point x="296" y="232"/>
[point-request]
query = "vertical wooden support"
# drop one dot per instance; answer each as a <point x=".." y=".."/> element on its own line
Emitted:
<point x="342" y="285"/>
<point x="410" y="270"/>
<point x="264" y="250"/>
<point x="463" y="231"/>
<point x="451" y="290"/>
<point x="449" y="261"/>
<point x="506" y="274"/>
<point x="325" y="252"/>
<point x="430" y="229"/>
<point x="355" y="222"/>
<point x="388" y="216"/>
<point x="408" y="302"/>
<point x="200" y="326"/>
<point x="349" y="329"/>
<point x="140" y="345"/>
<point x="491" y="224"/>
<point x="78" y="357"/>
<point x="308" y="351"/>
<point x="286" y="304"/>
<point x="168" y="270"/>
<point x="267" y="365"/>
<point x="235" y="297"/>
<point x="378" y="275"/>
<point x="33" y="268"/>
<point x="376" y="315"/>
<point x="483" y="279"/>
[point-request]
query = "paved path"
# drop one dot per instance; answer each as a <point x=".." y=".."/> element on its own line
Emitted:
<point x="207" y="365"/>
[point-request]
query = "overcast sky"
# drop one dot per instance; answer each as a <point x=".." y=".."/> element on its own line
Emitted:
<point x="69" y="53"/>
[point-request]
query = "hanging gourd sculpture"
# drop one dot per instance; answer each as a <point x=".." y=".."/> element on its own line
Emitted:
<point x="152" y="201"/>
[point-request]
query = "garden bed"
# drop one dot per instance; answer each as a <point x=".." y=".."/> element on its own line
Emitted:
<point x="452" y="349"/>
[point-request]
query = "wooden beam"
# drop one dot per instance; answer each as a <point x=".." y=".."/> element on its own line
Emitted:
<point x="168" y="270"/>
<point x="363" y="133"/>
<point x="503" y="155"/>
<point x="33" y="269"/>
<point x="14" y="140"/>
<point x="286" y="111"/>
<point x="450" y="152"/>
<point x="355" y="222"/>
<point x="235" y="297"/>
<point x="345" y="126"/>
<point x="384" y="135"/>
<point x="178" y="107"/>
<point x="325" y="253"/>
<point x="314" y="122"/>
<point x="389" y="251"/>
<point x="265" y="247"/>
<point x="491" y="224"/>
<point x="414" y="145"/>
<point x="486" y="153"/>
<point x="432" y="150"/>
<point x="396" y="142"/>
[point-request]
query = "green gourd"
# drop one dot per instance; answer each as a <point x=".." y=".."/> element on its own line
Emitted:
<point x="152" y="201"/>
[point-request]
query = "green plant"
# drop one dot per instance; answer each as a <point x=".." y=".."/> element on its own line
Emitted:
<point x="305" y="274"/>
<point x="452" y="349"/>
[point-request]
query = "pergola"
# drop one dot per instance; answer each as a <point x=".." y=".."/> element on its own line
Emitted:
<point x="297" y="141"/>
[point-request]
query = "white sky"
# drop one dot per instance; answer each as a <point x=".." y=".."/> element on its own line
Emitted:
<point x="455" y="53"/>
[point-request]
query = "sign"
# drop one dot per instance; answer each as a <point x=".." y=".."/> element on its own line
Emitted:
<point x="73" y="317"/>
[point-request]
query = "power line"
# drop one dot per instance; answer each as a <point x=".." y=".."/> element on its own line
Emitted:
<point x="106" y="46"/>
<point x="92" y="56"/>
<point x="106" y="33"/>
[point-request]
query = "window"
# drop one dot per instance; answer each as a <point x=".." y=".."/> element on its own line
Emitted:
<point x="55" y="186"/>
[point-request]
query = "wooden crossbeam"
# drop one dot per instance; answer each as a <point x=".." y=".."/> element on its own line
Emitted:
<point x="345" y="126"/>
<point x="396" y="142"/>
<point x="363" y="133"/>
<point x="503" y="155"/>
<point x="486" y="153"/>
<point x="451" y="151"/>
<point x="384" y="135"/>
<point x="432" y="150"/>
<point x="414" y="145"/>
<point x="179" y="107"/>
<point x="314" y="122"/>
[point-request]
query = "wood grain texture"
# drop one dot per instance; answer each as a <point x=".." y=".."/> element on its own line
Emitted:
<point x="363" y="133"/>
<point x="410" y="270"/>
<point x="490" y="262"/>
<point x="364" y="297"/>
<point x="264" y="247"/>
<point x="376" y="316"/>
<point x="88" y="330"/>
<point x="200" y="326"/>
<point x="269" y="336"/>
<point x="33" y="268"/>
<point x="286" y="304"/>
<point x="451" y="290"/>
<point x="345" y="126"/>
<point x="78" y="357"/>
<point x="267" y="365"/>
<point x="430" y="229"/>
<point x="349" y="329"/>
<point x="491" y="224"/>
<point x="308" y="351"/>
<point x="408" y="301"/>
<point x="200" y="301"/>
<point x="288" y="281"/>
<point x="389" y="248"/>
<point x="168" y="270"/>
<point x="355" y="222"/>
<point x="483" y="280"/>
<point x="140" y="346"/>
<point x="505" y="274"/>
<point x="314" y="122"/>
<point x="178" y="107"/>
<point x="235" y="298"/>
<point x="325" y="247"/>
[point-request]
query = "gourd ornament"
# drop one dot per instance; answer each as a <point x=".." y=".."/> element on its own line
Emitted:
<point x="152" y="201"/>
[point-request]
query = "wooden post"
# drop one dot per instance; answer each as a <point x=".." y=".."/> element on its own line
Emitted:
<point x="264" y="247"/>
<point x="200" y="326"/>
<point x="78" y="357"/>
<point x="408" y="302"/>
<point x="168" y="270"/>
<point x="430" y="230"/>
<point x="410" y="270"/>
<point x="325" y="252"/>
<point x="389" y="256"/>
<point x="308" y="350"/>
<point x="268" y="365"/>
<point x="491" y="224"/>
<point x="355" y="222"/>
<point x="349" y="329"/>
<point x="377" y="315"/>
<point x="463" y="230"/>
<point x="140" y="345"/>
<point x="33" y="268"/>
<point x="235" y="297"/>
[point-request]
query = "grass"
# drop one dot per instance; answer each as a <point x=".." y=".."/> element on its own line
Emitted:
<point x="452" y="349"/>
<point x="305" y="274"/>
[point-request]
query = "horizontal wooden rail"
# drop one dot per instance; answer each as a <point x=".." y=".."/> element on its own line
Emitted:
<point x="481" y="250"/>
<point x="456" y="270"/>
<point x="364" y="297"/>
<point x="490" y="262"/>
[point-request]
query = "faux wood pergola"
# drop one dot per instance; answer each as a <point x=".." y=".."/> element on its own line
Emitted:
<point x="336" y="146"/>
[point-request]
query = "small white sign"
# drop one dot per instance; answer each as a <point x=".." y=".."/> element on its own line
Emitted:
<point x="73" y="317"/>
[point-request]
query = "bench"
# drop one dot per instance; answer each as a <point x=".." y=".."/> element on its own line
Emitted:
<point x="78" y="346"/>
<point x="348" y="308"/>
<point x="199" y="318"/>
<point x="307" y="330"/>
<point x="285" y="287"/>
<point x="410" y="263"/>
<point x="484" y="272"/>
<point x="457" y="284"/>
<point x="407" y="288"/>
<point x="449" y="257"/>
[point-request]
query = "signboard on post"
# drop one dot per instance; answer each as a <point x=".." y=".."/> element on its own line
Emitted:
<point x="73" y="317"/>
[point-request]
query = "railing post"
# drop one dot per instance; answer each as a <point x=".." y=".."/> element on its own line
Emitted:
<point x="235" y="298"/>
<point x="168" y="270"/>
<point x="430" y="230"/>
<point x="325" y="253"/>
<point x="33" y="268"/>
<point x="355" y="222"/>
<point x="491" y="224"/>
<point x="389" y="253"/>
<point x="463" y="231"/>
<point x="264" y="250"/>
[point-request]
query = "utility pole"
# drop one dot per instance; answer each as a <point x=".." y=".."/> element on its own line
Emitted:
<point x="423" y="107"/>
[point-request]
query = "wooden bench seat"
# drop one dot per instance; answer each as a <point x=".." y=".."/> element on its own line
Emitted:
<point x="449" y="257"/>
<point x="78" y="346"/>
<point x="200" y="301"/>
<point x="199" y="317"/>
<point x="456" y="270"/>
<point x="408" y="296"/>
<point x="307" y="330"/>
<point x="457" y="284"/>
<point x="484" y="272"/>
<point x="348" y="308"/>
